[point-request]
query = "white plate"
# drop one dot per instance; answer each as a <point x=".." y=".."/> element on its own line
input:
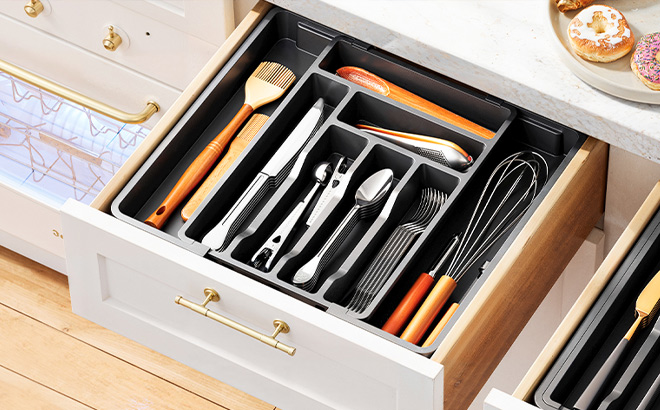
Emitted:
<point x="614" y="78"/>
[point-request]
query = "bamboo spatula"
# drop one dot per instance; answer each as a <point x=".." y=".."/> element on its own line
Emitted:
<point x="237" y="146"/>
<point x="381" y="86"/>
<point x="646" y="308"/>
<point x="266" y="84"/>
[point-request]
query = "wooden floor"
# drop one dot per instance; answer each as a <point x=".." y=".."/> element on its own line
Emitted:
<point x="52" y="359"/>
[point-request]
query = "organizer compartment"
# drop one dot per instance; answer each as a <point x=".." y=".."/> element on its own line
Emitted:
<point x="282" y="38"/>
<point x="602" y="328"/>
<point x="366" y="108"/>
<point x="467" y="103"/>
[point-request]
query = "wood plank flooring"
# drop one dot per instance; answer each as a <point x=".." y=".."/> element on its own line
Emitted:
<point x="52" y="359"/>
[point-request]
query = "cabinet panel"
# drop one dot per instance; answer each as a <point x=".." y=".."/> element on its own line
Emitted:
<point x="127" y="280"/>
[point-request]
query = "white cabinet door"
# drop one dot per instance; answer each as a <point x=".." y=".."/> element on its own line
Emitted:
<point x="127" y="280"/>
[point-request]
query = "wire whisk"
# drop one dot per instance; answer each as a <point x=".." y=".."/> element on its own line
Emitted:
<point x="508" y="193"/>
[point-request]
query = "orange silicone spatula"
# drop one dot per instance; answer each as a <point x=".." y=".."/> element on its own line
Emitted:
<point x="417" y="292"/>
<point x="381" y="86"/>
<point x="266" y="84"/>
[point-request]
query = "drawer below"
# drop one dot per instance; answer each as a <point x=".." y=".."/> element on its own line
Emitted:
<point x="127" y="280"/>
<point x="31" y="227"/>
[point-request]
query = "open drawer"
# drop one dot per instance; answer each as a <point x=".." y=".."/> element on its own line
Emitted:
<point x="591" y="329"/>
<point x="126" y="275"/>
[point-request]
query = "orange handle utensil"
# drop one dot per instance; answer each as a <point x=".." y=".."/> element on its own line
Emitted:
<point x="266" y="84"/>
<point x="429" y="309"/>
<point x="381" y="86"/>
<point x="441" y="325"/>
<point x="198" y="169"/>
<point x="408" y="304"/>
<point x="237" y="146"/>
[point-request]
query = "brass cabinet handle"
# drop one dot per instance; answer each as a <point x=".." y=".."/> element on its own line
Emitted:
<point x="212" y="295"/>
<point x="102" y="108"/>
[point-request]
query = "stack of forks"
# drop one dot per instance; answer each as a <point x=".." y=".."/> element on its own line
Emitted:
<point x="403" y="237"/>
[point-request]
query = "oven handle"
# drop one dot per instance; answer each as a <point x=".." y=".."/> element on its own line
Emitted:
<point x="61" y="91"/>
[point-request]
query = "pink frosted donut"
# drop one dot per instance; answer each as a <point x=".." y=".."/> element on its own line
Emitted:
<point x="645" y="61"/>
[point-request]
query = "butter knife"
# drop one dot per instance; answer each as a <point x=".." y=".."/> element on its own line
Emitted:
<point x="271" y="176"/>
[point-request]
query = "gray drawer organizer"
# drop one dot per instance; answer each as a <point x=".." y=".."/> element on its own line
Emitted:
<point x="605" y="324"/>
<point x="314" y="52"/>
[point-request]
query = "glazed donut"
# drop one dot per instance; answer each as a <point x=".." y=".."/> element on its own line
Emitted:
<point x="600" y="33"/>
<point x="567" y="5"/>
<point x="645" y="61"/>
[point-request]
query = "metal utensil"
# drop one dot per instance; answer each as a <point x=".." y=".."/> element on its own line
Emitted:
<point x="508" y="193"/>
<point x="335" y="188"/>
<point x="267" y="254"/>
<point x="436" y="149"/>
<point x="646" y="308"/>
<point x="271" y="176"/>
<point x="395" y="248"/>
<point x="368" y="200"/>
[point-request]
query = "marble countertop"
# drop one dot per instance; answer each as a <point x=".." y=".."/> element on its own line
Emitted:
<point x="503" y="47"/>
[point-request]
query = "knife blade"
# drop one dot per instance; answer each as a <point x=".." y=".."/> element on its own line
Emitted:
<point x="271" y="176"/>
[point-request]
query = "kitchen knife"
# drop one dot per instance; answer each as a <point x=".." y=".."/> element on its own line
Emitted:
<point x="271" y="176"/>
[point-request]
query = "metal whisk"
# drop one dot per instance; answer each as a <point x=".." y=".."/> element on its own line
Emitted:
<point x="508" y="193"/>
<point x="395" y="248"/>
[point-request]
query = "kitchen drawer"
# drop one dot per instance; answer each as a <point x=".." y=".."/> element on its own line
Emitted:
<point x="148" y="46"/>
<point x="126" y="275"/>
<point x="554" y="380"/>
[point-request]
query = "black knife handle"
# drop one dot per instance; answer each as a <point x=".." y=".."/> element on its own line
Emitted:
<point x="600" y="380"/>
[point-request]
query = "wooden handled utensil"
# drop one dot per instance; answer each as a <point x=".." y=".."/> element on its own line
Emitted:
<point x="417" y="292"/>
<point x="646" y="308"/>
<point x="381" y="86"/>
<point x="237" y="146"/>
<point x="266" y="84"/>
<point x="441" y="325"/>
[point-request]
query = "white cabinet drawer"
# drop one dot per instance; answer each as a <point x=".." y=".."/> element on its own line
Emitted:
<point x="114" y="267"/>
<point x="150" y="47"/>
<point x="130" y="283"/>
<point x="629" y="252"/>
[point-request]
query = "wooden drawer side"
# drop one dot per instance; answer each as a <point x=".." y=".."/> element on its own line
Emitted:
<point x="581" y="307"/>
<point x="523" y="277"/>
<point x="180" y="106"/>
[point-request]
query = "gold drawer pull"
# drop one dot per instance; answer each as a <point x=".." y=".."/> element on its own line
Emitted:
<point x="212" y="295"/>
<point x="102" y="108"/>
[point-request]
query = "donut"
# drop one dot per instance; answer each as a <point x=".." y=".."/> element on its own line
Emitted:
<point x="600" y="33"/>
<point x="567" y="5"/>
<point x="645" y="61"/>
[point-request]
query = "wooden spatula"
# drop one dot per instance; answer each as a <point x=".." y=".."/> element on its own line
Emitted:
<point x="237" y="146"/>
<point x="377" y="84"/>
<point x="268" y="83"/>
<point x="646" y="308"/>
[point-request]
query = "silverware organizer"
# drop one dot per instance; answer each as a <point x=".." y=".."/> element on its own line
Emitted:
<point x="600" y="331"/>
<point x="313" y="52"/>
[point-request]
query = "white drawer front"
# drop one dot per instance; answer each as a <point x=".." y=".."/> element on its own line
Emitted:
<point x="151" y="47"/>
<point x="81" y="70"/>
<point x="498" y="400"/>
<point x="126" y="280"/>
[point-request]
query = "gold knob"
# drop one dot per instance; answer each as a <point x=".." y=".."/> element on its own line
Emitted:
<point x="33" y="8"/>
<point x="112" y="41"/>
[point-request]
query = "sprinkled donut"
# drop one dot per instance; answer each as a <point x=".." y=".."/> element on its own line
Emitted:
<point x="645" y="61"/>
<point x="600" y="33"/>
